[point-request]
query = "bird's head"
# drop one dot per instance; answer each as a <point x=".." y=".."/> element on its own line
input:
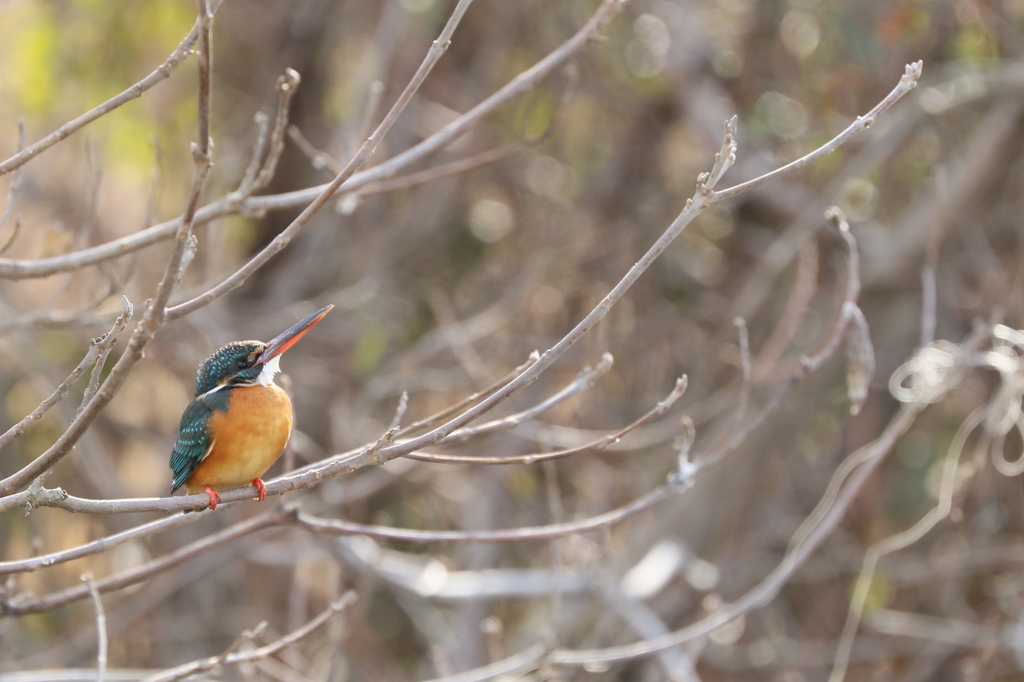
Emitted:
<point x="247" y="363"/>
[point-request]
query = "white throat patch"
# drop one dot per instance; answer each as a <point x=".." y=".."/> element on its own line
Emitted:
<point x="266" y="377"/>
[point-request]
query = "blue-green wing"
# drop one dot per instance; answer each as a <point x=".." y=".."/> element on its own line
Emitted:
<point x="194" y="441"/>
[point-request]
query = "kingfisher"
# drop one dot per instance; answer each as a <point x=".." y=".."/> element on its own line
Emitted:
<point x="240" y="420"/>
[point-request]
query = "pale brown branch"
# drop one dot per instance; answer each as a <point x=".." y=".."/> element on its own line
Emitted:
<point x="12" y="192"/>
<point x="101" y="628"/>
<point x="533" y="533"/>
<point x="797" y="304"/>
<point x="828" y="346"/>
<point x="522" y="83"/>
<point x="445" y="170"/>
<point x="162" y="72"/>
<point x="100" y="545"/>
<point x="740" y="429"/>
<point x="470" y="399"/>
<point x="287" y="84"/>
<point x="905" y="538"/>
<point x="693" y="208"/>
<point x="231" y="657"/>
<point x="258" y="150"/>
<point x="288" y="515"/>
<point x="282" y="240"/>
<point x="766" y="590"/>
<point x="23" y="604"/>
<point x="907" y="83"/>
<point x="584" y="380"/>
<point x="42" y="267"/>
<point x="600" y="444"/>
<point x="513" y="667"/>
<point x="14" y="235"/>
<point x="99" y="347"/>
<point x="933" y="629"/>
<point x="350" y="461"/>
<point x="155" y="316"/>
<point x="320" y="159"/>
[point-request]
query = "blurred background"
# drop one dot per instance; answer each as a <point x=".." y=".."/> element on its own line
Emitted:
<point x="442" y="288"/>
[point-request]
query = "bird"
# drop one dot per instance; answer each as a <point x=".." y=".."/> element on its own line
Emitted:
<point x="239" y="421"/>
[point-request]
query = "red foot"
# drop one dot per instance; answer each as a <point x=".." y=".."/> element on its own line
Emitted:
<point x="214" y="497"/>
<point x="261" y="489"/>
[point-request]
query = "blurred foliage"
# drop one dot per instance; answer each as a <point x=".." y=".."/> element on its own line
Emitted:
<point x="443" y="287"/>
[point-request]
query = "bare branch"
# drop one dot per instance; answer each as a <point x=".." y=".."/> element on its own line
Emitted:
<point x="347" y="462"/>
<point x="470" y="399"/>
<point x="101" y="545"/>
<point x="871" y="454"/>
<point x="830" y="343"/>
<point x="231" y="657"/>
<point x="546" y="532"/>
<point x="155" y="316"/>
<point x="600" y="444"/>
<point x="287" y="84"/>
<point x="20" y="605"/>
<point x="101" y="628"/>
<point x="445" y="170"/>
<point x="99" y="347"/>
<point x="12" y="192"/>
<point x="796" y="309"/>
<point x="361" y="157"/>
<point x="907" y="83"/>
<point x="320" y="159"/>
<point x="584" y="380"/>
<point x="258" y="150"/>
<point x="162" y="72"/>
<point x="17" y="269"/>
<point x="14" y="235"/>
<point x="766" y="590"/>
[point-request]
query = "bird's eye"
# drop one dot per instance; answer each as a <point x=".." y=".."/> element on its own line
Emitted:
<point x="242" y="363"/>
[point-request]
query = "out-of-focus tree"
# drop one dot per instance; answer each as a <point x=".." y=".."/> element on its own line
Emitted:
<point x="834" y="490"/>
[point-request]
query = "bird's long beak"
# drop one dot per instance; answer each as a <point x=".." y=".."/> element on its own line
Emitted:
<point x="287" y="338"/>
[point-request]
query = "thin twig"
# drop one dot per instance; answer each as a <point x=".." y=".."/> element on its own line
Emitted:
<point x="258" y="150"/>
<point x="12" y="191"/>
<point x="442" y="171"/>
<point x="285" y="237"/>
<point x="99" y="347"/>
<point x="527" y="534"/>
<point x="766" y="590"/>
<point x="287" y="84"/>
<point x="100" y="545"/>
<point x="797" y="304"/>
<point x="21" y="605"/>
<point x="162" y="72"/>
<point x="231" y="657"/>
<point x="101" y="627"/>
<point x="525" y="81"/>
<point x="899" y="541"/>
<point x="584" y="380"/>
<point x="320" y="159"/>
<point x="396" y="420"/>
<point x="288" y="515"/>
<point x="470" y="399"/>
<point x="155" y="316"/>
<point x="522" y="83"/>
<point x="694" y="206"/>
<point x="600" y="444"/>
<point x="311" y="475"/>
<point x="906" y="84"/>
<point x="14" y="235"/>
<point x="828" y="346"/>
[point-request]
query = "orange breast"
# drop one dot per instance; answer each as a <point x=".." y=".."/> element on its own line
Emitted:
<point x="247" y="438"/>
